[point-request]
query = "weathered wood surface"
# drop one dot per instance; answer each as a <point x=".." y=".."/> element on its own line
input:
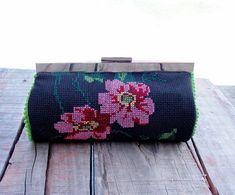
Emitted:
<point x="229" y="92"/>
<point x="128" y="67"/>
<point x="146" y="168"/>
<point x="215" y="137"/>
<point x="40" y="168"/>
<point x="69" y="169"/>
<point x="134" y="168"/>
<point x="30" y="170"/>
<point x="120" y="168"/>
<point x="26" y="171"/>
<point x="14" y="86"/>
<point x="114" y="67"/>
<point x="65" y="67"/>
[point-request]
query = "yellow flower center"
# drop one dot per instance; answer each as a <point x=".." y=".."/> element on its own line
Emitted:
<point x="126" y="99"/>
<point x="86" y="126"/>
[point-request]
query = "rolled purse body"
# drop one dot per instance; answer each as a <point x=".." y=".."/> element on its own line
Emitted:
<point x="113" y="106"/>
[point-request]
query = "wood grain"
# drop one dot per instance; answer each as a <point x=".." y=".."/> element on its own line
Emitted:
<point x="147" y="168"/>
<point x="145" y="66"/>
<point x="215" y="136"/>
<point x="128" y="67"/>
<point x="14" y="87"/>
<point x="65" y="67"/>
<point x="120" y="168"/>
<point x="69" y="169"/>
<point x="133" y="168"/>
<point x="26" y="172"/>
<point x="36" y="168"/>
<point x="229" y="92"/>
<point x="114" y="67"/>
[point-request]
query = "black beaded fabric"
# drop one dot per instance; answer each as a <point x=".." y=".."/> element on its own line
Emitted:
<point x="107" y="106"/>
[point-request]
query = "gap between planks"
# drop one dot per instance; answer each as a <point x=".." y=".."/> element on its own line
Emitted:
<point x="29" y="187"/>
<point x="47" y="170"/>
<point x="146" y="168"/>
<point x="214" y="137"/>
<point x="25" y="173"/>
<point x="43" y="168"/>
<point x="17" y="137"/>
<point x="14" y="85"/>
<point x="201" y="166"/>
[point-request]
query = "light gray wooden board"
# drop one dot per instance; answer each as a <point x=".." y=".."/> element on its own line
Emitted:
<point x="65" y="67"/>
<point x="229" y="92"/>
<point x="147" y="168"/>
<point x="69" y="169"/>
<point x="145" y="66"/>
<point x="130" y="168"/>
<point x="14" y="87"/>
<point x="115" y="67"/>
<point x="69" y="164"/>
<point x="26" y="173"/>
<point x="215" y="136"/>
<point x="159" y="183"/>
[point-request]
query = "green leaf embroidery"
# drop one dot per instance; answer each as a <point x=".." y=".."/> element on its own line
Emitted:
<point x="76" y="84"/>
<point x="56" y="93"/>
<point x="93" y="77"/>
<point x="168" y="135"/>
<point x="125" y="77"/>
<point x="122" y="76"/>
<point x="88" y="79"/>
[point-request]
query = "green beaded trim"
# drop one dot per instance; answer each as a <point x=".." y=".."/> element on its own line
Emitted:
<point x="194" y="95"/>
<point x="26" y="113"/>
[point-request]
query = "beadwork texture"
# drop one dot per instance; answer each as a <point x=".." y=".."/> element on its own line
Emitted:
<point x="111" y="106"/>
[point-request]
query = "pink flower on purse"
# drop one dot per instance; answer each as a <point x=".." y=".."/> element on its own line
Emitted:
<point x="126" y="103"/>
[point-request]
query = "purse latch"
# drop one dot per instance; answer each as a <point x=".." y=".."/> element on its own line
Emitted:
<point x="116" y="60"/>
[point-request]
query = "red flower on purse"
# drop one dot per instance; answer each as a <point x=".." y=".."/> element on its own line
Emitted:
<point x="84" y="123"/>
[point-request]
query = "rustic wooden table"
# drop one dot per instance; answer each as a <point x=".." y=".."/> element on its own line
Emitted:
<point x="202" y="165"/>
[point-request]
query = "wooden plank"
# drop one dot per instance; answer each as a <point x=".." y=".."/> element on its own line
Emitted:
<point x="128" y="67"/>
<point x="115" y="67"/>
<point x="194" y="151"/>
<point x="65" y="67"/>
<point x="26" y="172"/>
<point x="145" y="66"/>
<point x="147" y="168"/>
<point x="187" y="67"/>
<point x="30" y="171"/>
<point x="69" y="169"/>
<point x="229" y="92"/>
<point x="14" y="86"/>
<point x="69" y="163"/>
<point x="215" y="136"/>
